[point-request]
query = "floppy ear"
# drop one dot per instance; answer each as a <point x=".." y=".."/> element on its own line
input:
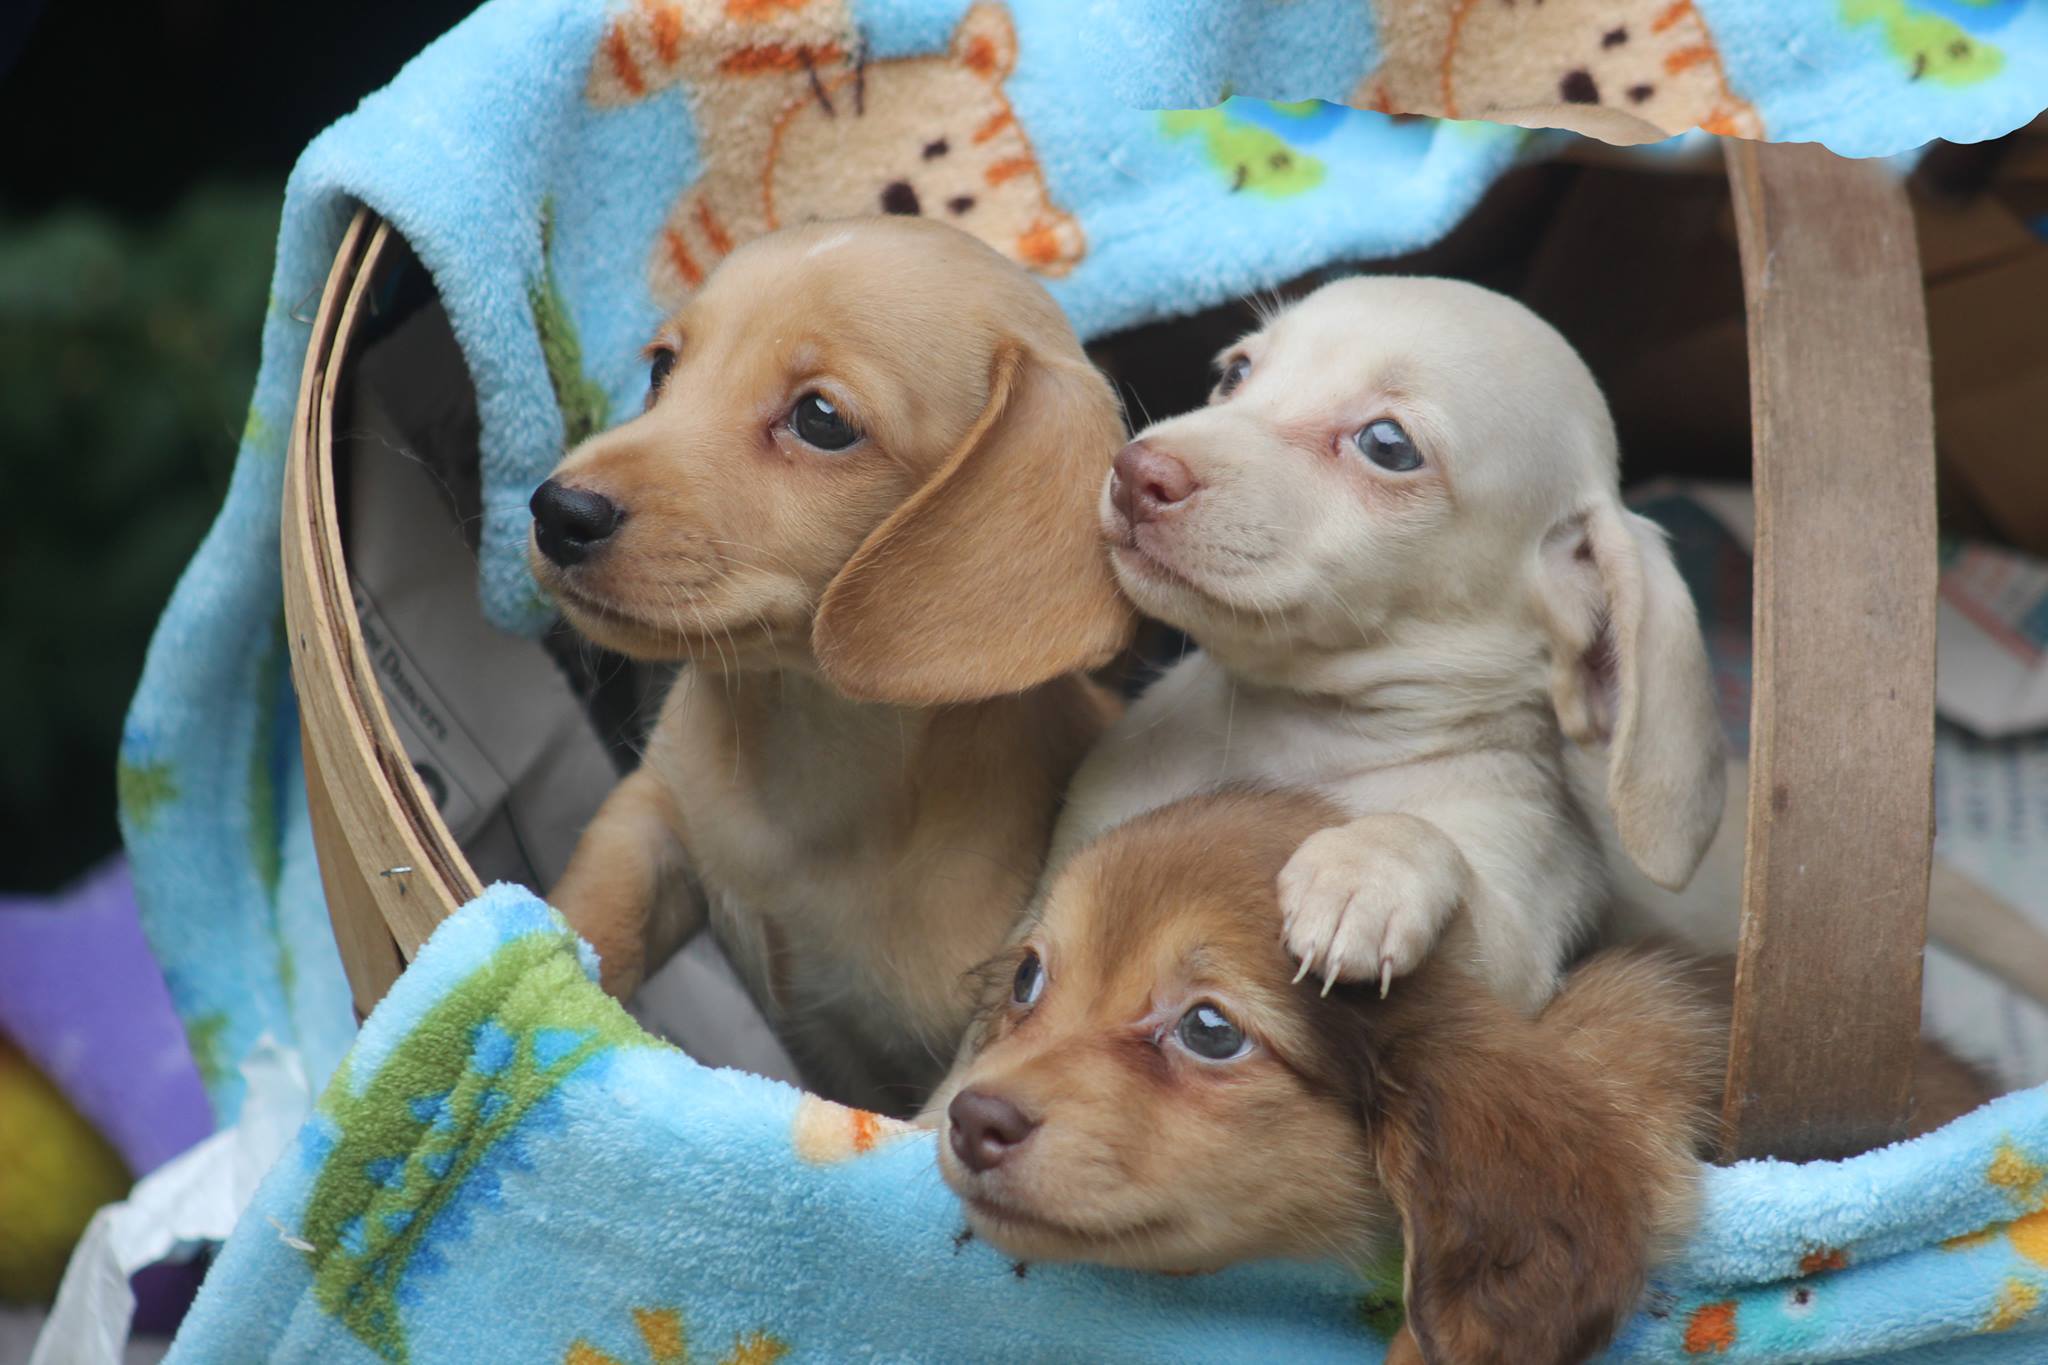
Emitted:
<point x="992" y="577"/>
<point x="1628" y="668"/>
<point x="1531" y="1197"/>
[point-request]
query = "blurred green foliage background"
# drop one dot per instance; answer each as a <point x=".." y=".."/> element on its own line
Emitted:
<point x="142" y="166"/>
<point x="126" y="358"/>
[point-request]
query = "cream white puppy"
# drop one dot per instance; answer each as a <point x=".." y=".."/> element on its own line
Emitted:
<point x="1396" y="534"/>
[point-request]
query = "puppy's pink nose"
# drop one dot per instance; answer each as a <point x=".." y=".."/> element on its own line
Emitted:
<point x="1145" y="484"/>
<point x="985" y="1128"/>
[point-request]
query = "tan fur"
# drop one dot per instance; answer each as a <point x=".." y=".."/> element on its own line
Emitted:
<point x="1535" y="1167"/>
<point x="855" y="844"/>
<point x="795" y="125"/>
<point x="1008" y="519"/>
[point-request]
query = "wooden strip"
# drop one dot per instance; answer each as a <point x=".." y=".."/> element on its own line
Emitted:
<point x="388" y="864"/>
<point x="1827" y="1004"/>
<point x="410" y="920"/>
<point x="369" y="955"/>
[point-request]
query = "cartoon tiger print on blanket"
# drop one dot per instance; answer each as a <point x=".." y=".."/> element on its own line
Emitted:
<point x="1622" y="70"/>
<point x="794" y="123"/>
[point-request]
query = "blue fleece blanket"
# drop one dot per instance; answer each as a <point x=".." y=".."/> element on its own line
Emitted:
<point x="502" y="1158"/>
<point x="506" y="1168"/>
<point x="1864" y="77"/>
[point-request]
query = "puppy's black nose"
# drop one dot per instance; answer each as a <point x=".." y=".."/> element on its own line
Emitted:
<point x="985" y="1128"/>
<point x="568" y="522"/>
<point x="1145" y="484"/>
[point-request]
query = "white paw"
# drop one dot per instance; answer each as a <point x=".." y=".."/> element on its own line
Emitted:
<point x="1365" y="903"/>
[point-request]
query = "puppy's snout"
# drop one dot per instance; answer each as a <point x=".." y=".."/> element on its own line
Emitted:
<point x="985" y="1128"/>
<point x="569" y="522"/>
<point x="1146" y="484"/>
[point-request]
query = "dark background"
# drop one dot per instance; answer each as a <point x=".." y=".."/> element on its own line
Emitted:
<point x="142" y="164"/>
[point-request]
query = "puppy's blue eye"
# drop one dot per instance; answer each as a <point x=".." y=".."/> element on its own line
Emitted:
<point x="1386" y="445"/>
<point x="1207" y="1032"/>
<point x="1030" y="980"/>
<point x="1233" y="375"/>
<point x="817" y="422"/>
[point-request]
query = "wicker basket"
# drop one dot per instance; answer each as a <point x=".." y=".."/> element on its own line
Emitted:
<point x="1838" y="842"/>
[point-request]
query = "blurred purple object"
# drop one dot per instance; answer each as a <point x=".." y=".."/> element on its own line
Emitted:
<point x="83" y="998"/>
<point x="162" y="1294"/>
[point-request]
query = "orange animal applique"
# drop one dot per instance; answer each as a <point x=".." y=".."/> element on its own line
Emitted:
<point x="2015" y="1303"/>
<point x="1822" y="1259"/>
<point x="2023" y="1181"/>
<point x="1711" y="1329"/>
<point x="1621" y="70"/>
<point x="824" y="1133"/>
<point x="795" y="124"/>
<point x="666" y="1341"/>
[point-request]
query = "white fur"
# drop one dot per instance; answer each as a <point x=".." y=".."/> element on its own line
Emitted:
<point x="823" y="245"/>
<point x="1421" y="645"/>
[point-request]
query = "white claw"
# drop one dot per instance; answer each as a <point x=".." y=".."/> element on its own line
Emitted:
<point x="1331" y="979"/>
<point x="1386" y="977"/>
<point x="1305" y="960"/>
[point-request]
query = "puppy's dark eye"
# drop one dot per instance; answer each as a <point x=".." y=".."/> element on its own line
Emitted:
<point x="1386" y="445"/>
<point x="1207" y="1032"/>
<point x="661" y="360"/>
<point x="1233" y="375"/>
<point x="817" y="422"/>
<point x="1029" y="982"/>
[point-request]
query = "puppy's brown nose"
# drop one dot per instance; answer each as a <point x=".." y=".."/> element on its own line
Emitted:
<point x="985" y="1128"/>
<point x="1145" y="484"/>
<point x="567" y="521"/>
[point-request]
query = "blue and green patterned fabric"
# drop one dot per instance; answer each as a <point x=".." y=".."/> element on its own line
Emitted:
<point x="505" y="1168"/>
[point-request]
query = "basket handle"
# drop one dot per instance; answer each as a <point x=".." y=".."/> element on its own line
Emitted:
<point x="389" y="866"/>
<point x="1840" y="832"/>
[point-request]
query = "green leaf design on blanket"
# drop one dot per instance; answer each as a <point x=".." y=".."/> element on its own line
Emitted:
<point x="143" y="789"/>
<point x="1380" y="1307"/>
<point x="1933" y="47"/>
<point x="1256" y="160"/>
<point x="581" y="399"/>
<point x="453" y="1090"/>
<point x="266" y="852"/>
<point x="206" y="1036"/>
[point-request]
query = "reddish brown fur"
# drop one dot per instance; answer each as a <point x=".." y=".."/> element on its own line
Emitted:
<point x="1536" y="1167"/>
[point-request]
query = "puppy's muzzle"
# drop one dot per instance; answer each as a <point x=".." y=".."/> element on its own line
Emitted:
<point x="984" y="1129"/>
<point x="1146" y="484"/>
<point x="569" y="522"/>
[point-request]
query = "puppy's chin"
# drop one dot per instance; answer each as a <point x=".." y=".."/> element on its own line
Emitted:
<point x="1018" y="1225"/>
<point x="685" y="630"/>
<point x="1157" y="586"/>
<point x="1025" y="1235"/>
<point x="1214" y="612"/>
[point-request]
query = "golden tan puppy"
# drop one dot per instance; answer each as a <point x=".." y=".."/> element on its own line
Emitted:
<point x="1149" y="1088"/>
<point x="860" y="504"/>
